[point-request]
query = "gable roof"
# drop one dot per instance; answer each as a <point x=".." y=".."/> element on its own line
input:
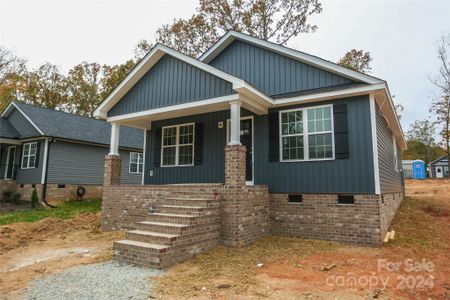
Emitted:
<point x="231" y="36"/>
<point x="7" y="130"/>
<point x="152" y="57"/>
<point x="58" y="124"/>
<point x="444" y="157"/>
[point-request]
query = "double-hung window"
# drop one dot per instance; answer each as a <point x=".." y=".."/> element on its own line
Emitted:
<point x="135" y="163"/>
<point x="29" y="155"/>
<point x="394" y="145"/>
<point x="307" y="134"/>
<point x="178" y="145"/>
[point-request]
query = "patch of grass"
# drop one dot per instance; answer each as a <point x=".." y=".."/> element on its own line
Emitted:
<point x="65" y="210"/>
<point x="419" y="223"/>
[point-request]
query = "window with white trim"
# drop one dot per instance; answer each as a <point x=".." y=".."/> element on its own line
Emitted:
<point x="396" y="166"/>
<point x="306" y="134"/>
<point x="136" y="163"/>
<point x="177" y="145"/>
<point x="29" y="155"/>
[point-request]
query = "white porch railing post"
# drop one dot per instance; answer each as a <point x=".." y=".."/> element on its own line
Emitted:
<point x="235" y="122"/>
<point x="115" y="133"/>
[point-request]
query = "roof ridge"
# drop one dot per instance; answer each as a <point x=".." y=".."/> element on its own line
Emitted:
<point x="58" y="111"/>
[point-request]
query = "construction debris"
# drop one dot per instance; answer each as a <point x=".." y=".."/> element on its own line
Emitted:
<point x="328" y="268"/>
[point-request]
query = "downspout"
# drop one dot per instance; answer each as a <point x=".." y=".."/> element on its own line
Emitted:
<point x="44" y="185"/>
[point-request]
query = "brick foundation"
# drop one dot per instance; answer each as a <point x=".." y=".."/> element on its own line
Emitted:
<point x="321" y="217"/>
<point x="112" y="170"/>
<point x="54" y="192"/>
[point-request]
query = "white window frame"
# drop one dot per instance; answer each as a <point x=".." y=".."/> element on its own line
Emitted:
<point x="177" y="145"/>
<point x="394" y="146"/>
<point x="28" y="156"/>
<point x="306" y="134"/>
<point x="141" y="163"/>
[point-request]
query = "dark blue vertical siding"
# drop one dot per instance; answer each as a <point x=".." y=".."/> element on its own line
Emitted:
<point x="171" y="82"/>
<point x="390" y="179"/>
<point x="353" y="175"/>
<point x="273" y="73"/>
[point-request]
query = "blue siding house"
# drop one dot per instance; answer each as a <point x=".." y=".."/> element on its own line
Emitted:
<point x="286" y="141"/>
<point x="57" y="152"/>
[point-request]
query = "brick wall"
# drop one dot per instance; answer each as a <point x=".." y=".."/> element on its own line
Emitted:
<point x="388" y="207"/>
<point x="124" y="206"/>
<point x="111" y="174"/>
<point x="321" y="217"/>
<point x="53" y="191"/>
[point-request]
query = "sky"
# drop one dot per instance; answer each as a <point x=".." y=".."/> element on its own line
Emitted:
<point x="400" y="36"/>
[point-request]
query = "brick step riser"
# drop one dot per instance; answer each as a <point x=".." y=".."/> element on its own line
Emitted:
<point x="188" y="211"/>
<point x="138" y="257"/>
<point x="202" y="219"/>
<point x="210" y="226"/>
<point x="190" y="202"/>
<point x="179" y="241"/>
<point x="134" y="248"/>
<point x="150" y="239"/>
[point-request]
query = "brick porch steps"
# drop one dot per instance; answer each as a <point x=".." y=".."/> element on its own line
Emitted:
<point x="152" y="237"/>
<point x="181" y="228"/>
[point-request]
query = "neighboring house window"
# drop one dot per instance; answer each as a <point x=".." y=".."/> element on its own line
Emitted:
<point x="29" y="155"/>
<point x="178" y="145"/>
<point x="307" y="134"/>
<point x="394" y="143"/>
<point x="135" y="163"/>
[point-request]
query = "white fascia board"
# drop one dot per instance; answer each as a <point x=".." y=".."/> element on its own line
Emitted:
<point x="328" y="95"/>
<point x="168" y="109"/>
<point x="10" y="141"/>
<point x="149" y="61"/>
<point x="297" y="55"/>
<point x="9" y="109"/>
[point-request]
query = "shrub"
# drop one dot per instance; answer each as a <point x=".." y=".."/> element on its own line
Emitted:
<point x="34" y="199"/>
<point x="11" y="196"/>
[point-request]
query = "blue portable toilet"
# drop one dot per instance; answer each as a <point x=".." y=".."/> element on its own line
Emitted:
<point x="418" y="169"/>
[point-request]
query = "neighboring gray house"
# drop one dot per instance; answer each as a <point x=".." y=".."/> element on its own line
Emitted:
<point x="57" y="152"/>
<point x="439" y="167"/>
<point x="281" y="141"/>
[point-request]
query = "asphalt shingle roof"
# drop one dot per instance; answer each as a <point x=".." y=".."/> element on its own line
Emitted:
<point x="7" y="130"/>
<point x="60" y="124"/>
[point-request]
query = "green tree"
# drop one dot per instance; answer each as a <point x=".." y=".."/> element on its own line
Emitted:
<point x="45" y="87"/>
<point x="422" y="132"/>
<point x="356" y="60"/>
<point x="12" y="69"/>
<point x="272" y="20"/>
<point x="89" y="83"/>
<point x="441" y="104"/>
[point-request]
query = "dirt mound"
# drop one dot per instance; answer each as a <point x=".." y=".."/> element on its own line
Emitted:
<point x="18" y="235"/>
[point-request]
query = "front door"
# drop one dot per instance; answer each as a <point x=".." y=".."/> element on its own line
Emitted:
<point x="439" y="173"/>
<point x="10" y="160"/>
<point x="247" y="141"/>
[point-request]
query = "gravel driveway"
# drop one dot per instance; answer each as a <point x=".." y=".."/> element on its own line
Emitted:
<point x="108" y="280"/>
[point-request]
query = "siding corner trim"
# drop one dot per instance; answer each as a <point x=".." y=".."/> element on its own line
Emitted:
<point x="373" y="125"/>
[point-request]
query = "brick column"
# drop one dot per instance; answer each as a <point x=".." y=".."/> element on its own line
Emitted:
<point x="112" y="170"/>
<point x="235" y="165"/>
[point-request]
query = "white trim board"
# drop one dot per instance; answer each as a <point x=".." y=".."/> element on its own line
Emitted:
<point x="44" y="161"/>
<point x="373" y="126"/>
<point x="230" y="36"/>
<point x="151" y="59"/>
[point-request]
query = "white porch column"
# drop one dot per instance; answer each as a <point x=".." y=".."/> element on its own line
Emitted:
<point x="115" y="133"/>
<point x="235" y="123"/>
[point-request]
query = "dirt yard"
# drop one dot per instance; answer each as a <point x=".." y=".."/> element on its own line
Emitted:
<point x="31" y="250"/>
<point x="415" y="265"/>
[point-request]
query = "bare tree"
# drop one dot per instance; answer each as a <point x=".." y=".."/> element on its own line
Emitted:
<point x="441" y="104"/>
